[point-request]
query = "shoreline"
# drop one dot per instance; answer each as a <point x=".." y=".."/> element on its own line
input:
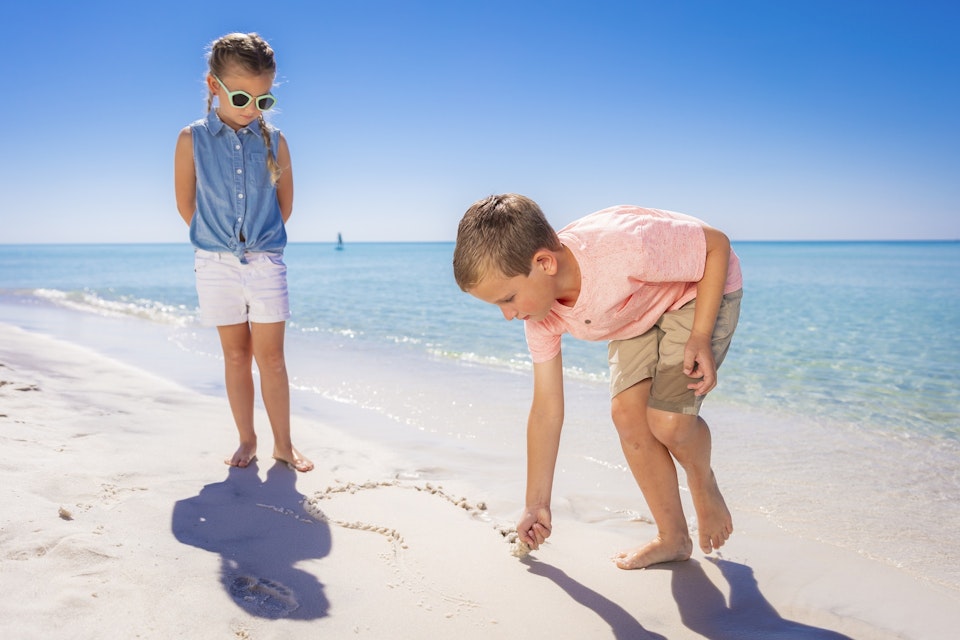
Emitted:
<point x="817" y="480"/>
<point x="402" y="550"/>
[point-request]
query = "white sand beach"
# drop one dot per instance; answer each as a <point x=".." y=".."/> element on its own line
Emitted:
<point x="119" y="519"/>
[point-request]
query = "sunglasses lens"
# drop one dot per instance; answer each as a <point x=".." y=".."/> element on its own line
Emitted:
<point x="239" y="100"/>
<point x="265" y="103"/>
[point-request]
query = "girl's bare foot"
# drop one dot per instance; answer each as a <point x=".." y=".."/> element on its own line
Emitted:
<point x="243" y="456"/>
<point x="294" y="459"/>
<point x="714" y="523"/>
<point x="659" y="550"/>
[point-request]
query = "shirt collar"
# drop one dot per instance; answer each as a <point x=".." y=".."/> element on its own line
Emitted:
<point x="216" y="125"/>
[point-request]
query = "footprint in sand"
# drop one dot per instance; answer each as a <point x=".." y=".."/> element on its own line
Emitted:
<point x="263" y="597"/>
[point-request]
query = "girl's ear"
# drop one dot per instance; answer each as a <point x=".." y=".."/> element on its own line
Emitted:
<point x="212" y="85"/>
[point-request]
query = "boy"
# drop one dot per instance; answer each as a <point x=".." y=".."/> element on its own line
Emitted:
<point x="664" y="289"/>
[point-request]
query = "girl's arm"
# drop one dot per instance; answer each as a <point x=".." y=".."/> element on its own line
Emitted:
<point x="185" y="176"/>
<point x="543" y="444"/>
<point x="285" y="183"/>
<point x="698" y="358"/>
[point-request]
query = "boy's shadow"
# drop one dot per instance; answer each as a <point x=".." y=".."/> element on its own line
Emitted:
<point x="623" y="625"/>
<point x="260" y="530"/>
<point x="704" y="609"/>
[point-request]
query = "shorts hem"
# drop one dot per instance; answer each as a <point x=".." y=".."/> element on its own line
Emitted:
<point x="673" y="407"/>
<point x="624" y="383"/>
<point x="221" y="322"/>
<point x="269" y="319"/>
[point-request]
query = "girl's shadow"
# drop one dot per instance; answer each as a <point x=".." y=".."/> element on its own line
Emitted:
<point x="704" y="609"/>
<point x="260" y="530"/>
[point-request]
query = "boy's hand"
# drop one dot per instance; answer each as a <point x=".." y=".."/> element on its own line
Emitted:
<point x="534" y="527"/>
<point x="698" y="362"/>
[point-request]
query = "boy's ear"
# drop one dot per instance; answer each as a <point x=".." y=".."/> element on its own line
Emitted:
<point x="546" y="261"/>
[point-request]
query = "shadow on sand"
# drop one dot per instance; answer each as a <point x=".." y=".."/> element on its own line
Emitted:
<point x="260" y="530"/>
<point x="703" y="607"/>
<point x="748" y="616"/>
<point x="622" y="624"/>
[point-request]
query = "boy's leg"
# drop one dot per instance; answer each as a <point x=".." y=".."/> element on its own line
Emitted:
<point x="673" y="415"/>
<point x="275" y="387"/>
<point x="237" y="357"/>
<point x="672" y="429"/>
<point x="654" y="470"/>
<point x="688" y="438"/>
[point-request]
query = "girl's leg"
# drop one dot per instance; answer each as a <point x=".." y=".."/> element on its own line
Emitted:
<point x="275" y="387"/>
<point x="688" y="439"/>
<point x="656" y="474"/>
<point x="237" y="347"/>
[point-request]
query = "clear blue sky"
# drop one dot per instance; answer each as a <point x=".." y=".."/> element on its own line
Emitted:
<point x="770" y="119"/>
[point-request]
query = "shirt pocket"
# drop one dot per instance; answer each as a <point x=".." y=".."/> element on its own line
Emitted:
<point x="257" y="169"/>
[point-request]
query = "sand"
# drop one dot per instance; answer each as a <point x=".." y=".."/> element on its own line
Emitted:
<point x="120" y="520"/>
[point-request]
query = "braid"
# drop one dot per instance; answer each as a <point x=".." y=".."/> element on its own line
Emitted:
<point x="272" y="164"/>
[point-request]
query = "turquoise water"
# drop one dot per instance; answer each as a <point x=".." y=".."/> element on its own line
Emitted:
<point x="854" y="332"/>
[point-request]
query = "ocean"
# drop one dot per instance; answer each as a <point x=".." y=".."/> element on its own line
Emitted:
<point x="837" y="416"/>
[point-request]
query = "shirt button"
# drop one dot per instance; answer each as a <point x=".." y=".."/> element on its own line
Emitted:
<point x="237" y="147"/>
<point x="239" y="171"/>
<point x="240" y="195"/>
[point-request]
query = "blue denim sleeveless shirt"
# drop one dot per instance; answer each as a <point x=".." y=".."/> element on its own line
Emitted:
<point x="237" y="208"/>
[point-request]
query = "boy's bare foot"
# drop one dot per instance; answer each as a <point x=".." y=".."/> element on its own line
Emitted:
<point x="714" y="523"/>
<point x="294" y="459"/>
<point x="243" y="456"/>
<point x="654" y="553"/>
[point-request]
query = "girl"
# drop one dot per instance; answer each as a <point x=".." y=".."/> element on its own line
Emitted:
<point x="234" y="188"/>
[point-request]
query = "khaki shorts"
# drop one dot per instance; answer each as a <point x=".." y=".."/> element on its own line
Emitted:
<point x="658" y="354"/>
<point x="231" y="292"/>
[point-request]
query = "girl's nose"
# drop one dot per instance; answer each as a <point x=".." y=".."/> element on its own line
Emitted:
<point x="508" y="314"/>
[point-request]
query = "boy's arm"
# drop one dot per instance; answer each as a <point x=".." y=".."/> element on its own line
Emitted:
<point x="543" y="444"/>
<point x="698" y="361"/>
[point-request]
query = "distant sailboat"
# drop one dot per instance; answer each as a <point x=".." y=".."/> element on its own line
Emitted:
<point x="339" y="242"/>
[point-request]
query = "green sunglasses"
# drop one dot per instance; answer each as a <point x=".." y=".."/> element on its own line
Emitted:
<point x="240" y="99"/>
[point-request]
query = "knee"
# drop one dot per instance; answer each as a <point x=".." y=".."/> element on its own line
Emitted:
<point x="621" y="416"/>
<point x="674" y="430"/>
<point x="630" y="421"/>
<point x="237" y="357"/>
<point x="272" y="363"/>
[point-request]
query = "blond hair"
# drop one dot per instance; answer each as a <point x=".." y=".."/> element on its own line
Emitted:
<point x="500" y="234"/>
<point x="253" y="55"/>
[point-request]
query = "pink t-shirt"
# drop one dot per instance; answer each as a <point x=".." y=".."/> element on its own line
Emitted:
<point x="635" y="265"/>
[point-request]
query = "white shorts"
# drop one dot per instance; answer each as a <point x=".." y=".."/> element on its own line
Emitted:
<point x="234" y="293"/>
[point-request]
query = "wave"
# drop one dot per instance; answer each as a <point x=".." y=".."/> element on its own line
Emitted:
<point x="123" y="306"/>
<point x="518" y="363"/>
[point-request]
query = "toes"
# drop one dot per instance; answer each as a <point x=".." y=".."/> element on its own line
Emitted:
<point x="240" y="461"/>
<point x="303" y="465"/>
